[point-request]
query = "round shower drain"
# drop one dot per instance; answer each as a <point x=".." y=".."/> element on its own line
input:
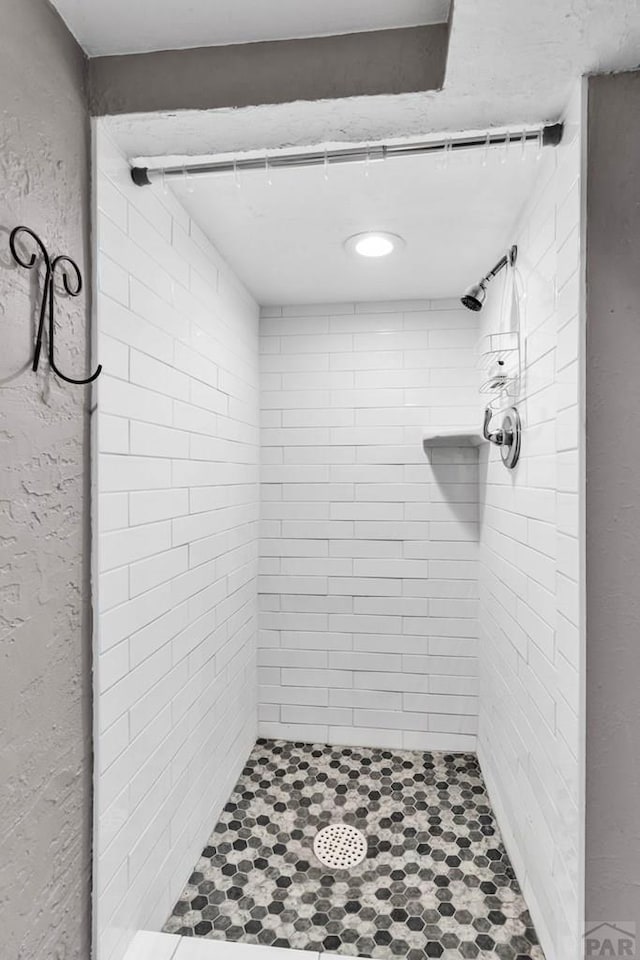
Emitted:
<point x="340" y="846"/>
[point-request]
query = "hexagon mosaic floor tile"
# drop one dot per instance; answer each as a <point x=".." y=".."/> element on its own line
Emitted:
<point x="436" y="881"/>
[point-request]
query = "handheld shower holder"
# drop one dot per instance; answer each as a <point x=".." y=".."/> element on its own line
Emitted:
<point x="508" y="438"/>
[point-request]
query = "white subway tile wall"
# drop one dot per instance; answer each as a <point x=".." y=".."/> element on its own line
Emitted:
<point x="176" y="696"/>
<point x="368" y="580"/>
<point x="532" y="665"/>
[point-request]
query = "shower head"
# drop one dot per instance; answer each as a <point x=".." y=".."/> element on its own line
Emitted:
<point x="475" y="295"/>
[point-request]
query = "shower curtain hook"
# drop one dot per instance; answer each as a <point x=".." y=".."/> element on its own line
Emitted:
<point x="507" y="144"/>
<point x="236" y="178"/>
<point x="485" y="152"/>
<point x="326" y="166"/>
<point x="267" y="170"/>
<point x="445" y="154"/>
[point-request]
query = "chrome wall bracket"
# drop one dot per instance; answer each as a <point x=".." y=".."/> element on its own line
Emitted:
<point x="508" y="437"/>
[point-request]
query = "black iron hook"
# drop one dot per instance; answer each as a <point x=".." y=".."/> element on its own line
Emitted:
<point x="71" y="284"/>
<point x="28" y="265"/>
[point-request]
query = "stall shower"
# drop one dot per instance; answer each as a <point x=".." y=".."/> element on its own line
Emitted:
<point x="339" y="650"/>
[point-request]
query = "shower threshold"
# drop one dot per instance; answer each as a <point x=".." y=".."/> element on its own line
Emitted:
<point x="436" y="880"/>
<point x="149" y="945"/>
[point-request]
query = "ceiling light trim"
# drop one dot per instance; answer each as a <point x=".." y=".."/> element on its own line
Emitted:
<point x="374" y="244"/>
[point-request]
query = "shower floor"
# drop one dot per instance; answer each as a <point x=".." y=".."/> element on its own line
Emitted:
<point x="437" y="881"/>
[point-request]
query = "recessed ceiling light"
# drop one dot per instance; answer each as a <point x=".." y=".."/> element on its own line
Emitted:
<point x="375" y="244"/>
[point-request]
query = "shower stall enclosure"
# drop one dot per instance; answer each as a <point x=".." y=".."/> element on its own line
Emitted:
<point x="339" y="644"/>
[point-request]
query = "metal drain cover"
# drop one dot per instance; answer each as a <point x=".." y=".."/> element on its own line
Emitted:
<point x="340" y="846"/>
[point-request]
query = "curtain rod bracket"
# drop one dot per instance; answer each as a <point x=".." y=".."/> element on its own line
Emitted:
<point x="552" y="134"/>
<point x="140" y="176"/>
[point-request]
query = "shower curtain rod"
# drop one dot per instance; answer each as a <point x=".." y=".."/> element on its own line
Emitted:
<point x="548" y="136"/>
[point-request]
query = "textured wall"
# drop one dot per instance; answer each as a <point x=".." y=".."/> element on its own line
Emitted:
<point x="613" y="504"/>
<point x="368" y="556"/>
<point x="278" y="71"/>
<point x="178" y="542"/>
<point x="531" y="663"/>
<point x="45" y="747"/>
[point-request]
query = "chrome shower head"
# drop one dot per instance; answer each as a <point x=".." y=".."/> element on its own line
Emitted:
<point x="474" y="297"/>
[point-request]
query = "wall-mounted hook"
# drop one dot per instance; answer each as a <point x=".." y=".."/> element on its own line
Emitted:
<point x="72" y="283"/>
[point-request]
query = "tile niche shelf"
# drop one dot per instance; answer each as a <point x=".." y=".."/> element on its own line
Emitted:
<point x="455" y="437"/>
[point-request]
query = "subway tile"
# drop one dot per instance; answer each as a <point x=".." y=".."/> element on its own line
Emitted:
<point x="156" y="632"/>
<point x="151" y="440"/>
<point x="315" y="714"/>
<point x="113" y="665"/>
<point x="113" y="741"/>
<point x="441" y="703"/>
<point x="530" y="569"/>
<point x="310" y="640"/>
<point x="302" y="696"/>
<point x="113" y="281"/>
<point x="114" y="356"/>
<point x="176" y="641"/>
<point x="122" y="547"/>
<point x="129" y="400"/>
<point x="163" y="567"/>
<point x="282" y="657"/>
<point x="316" y="678"/>
<point x="113" y="511"/>
<point x="113" y="588"/>
<point x="386" y="681"/>
<point x="114" y="434"/>
<point x="365" y="661"/>
<point x="390" y="719"/>
<point x="151" y="505"/>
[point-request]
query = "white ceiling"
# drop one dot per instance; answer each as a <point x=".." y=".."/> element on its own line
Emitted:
<point x="285" y="241"/>
<point x="122" y="26"/>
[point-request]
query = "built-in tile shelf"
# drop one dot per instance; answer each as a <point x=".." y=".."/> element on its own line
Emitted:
<point x="453" y="438"/>
<point x="149" y="945"/>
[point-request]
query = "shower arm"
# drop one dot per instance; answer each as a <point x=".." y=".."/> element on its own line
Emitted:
<point x="509" y="258"/>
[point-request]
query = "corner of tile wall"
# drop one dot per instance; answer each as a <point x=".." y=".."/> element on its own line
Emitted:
<point x="531" y="668"/>
<point x="175" y="672"/>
